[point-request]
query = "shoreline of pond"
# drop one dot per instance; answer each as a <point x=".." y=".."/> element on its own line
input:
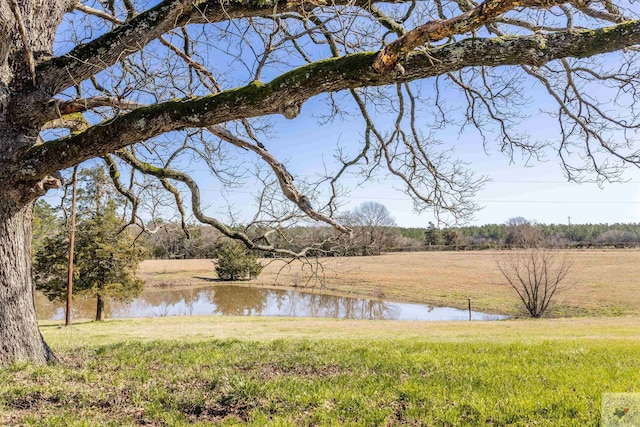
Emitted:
<point x="606" y="283"/>
<point x="198" y="277"/>
<point x="242" y="300"/>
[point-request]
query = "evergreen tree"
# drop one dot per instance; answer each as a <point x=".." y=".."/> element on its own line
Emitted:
<point x="433" y="236"/>
<point x="235" y="262"/>
<point x="452" y="237"/>
<point x="45" y="224"/>
<point x="106" y="256"/>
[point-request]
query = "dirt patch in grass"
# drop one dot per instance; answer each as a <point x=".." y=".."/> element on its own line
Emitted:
<point x="271" y="370"/>
<point x="33" y="401"/>
<point x="215" y="411"/>
<point x="121" y="404"/>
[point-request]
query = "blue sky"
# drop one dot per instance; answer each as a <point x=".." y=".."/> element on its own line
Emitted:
<point x="537" y="193"/>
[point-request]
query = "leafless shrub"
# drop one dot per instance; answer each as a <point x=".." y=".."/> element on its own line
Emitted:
<point x="537" y="275"/>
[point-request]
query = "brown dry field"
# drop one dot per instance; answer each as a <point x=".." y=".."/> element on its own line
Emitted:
<point x="602" y="282"/>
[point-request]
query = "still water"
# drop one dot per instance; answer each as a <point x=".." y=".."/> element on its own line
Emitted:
<point x="247" y="301"/>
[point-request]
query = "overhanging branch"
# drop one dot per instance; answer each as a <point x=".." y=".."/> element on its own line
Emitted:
<point x="85" y="104"/>
<point x="284" y="177"/>
<point x="196" y="206"/>
<point x="438" y="30"/>
<point x="89" y="59"/>
<point x="287" y="92"/>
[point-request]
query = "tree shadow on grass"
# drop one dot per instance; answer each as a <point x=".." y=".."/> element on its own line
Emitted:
<point x="52" y="324"/>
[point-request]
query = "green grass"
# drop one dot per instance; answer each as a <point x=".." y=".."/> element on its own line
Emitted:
<point x="185" y="371"/>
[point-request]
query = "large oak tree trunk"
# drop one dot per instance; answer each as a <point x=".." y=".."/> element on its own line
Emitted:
<point x="20" y="338"/>
<point x="27" y="32"/>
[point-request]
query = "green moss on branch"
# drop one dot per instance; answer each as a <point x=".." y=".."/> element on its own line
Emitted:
<point x="329" y="75"/>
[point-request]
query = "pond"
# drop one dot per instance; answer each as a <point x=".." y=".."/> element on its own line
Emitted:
<point x="249" y="301"/>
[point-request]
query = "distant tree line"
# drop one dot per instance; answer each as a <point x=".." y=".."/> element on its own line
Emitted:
<point x="519" y="232"/>
<point x="374" y="232"/>
<point x="204" y="242"/>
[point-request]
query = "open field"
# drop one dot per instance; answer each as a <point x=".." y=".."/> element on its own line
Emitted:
<point x="259" y="371"/>
<point x="604" y="282"/>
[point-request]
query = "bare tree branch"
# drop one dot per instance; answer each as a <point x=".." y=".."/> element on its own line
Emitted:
<point x="167" y="173"/>
<point x="99" y="13"/>
<point x="284" y="177"/>
<point x="74" y="122"/>
<point x="286" y="93"/>
<point x="82" y="105"/>
<point x="86" y="60"/>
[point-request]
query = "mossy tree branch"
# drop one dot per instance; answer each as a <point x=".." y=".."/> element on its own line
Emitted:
<point x="286" y="93"/>
<point x="88" y="59"/>
<point x="471" y="20"/>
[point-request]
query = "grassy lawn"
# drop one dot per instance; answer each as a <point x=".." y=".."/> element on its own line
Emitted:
<point x="603" y="282"/>
<point x="281" y="371"/>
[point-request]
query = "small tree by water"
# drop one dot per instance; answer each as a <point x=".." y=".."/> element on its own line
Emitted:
<point x="235" y="262"/>
<point x="106" y="254"/>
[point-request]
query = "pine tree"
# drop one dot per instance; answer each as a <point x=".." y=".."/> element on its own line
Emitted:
<point x="45" y="224"/>
<point x="433" y="236"/>
<point x="106" y="256"/>
<point x="235" y="262"/>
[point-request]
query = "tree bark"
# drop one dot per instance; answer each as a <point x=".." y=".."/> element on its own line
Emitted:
<point x="27" y="32"/>
<point x="99" y="309"/>
<point x="20" y="338"/>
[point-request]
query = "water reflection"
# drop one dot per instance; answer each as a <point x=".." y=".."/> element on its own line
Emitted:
<point x="240" y="301"/>
<point x="246" y="301"/>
